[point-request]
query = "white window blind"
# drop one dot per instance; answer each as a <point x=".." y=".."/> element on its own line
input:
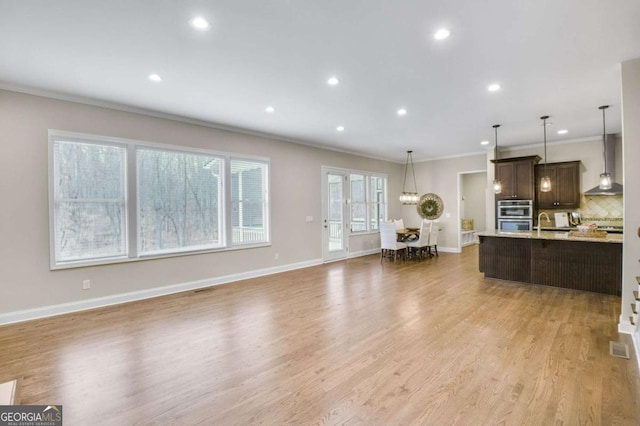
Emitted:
<point x="179" y="201"/>
<point x="249" y="202"/>
<point x="89" y="201"/>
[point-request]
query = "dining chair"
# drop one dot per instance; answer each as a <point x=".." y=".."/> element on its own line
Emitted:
<point x="388" y="241"/>
<point x="399" y="224"/>
<point x="421" y="245"/>
<point x="433" y="239"/>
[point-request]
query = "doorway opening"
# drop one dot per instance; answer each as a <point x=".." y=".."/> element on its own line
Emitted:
<point x="472" y="206"/>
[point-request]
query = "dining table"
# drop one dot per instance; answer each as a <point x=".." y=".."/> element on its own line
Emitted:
<point x="407" y="234"/>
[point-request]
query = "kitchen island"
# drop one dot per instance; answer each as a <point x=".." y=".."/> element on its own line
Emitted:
<point x="553" y="258"/>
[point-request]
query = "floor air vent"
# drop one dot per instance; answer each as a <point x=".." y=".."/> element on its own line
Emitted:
<point x="621" y="350"/>
<point x="203" y="290"/>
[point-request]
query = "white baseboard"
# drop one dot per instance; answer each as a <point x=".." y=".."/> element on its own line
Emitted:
<point x="8" y="392"/>
<point x="635" y="337"/>
<point x="449" y="249"/>
<point x="624" y="326"/>
<point x="364" y="252"/>
<point x="83" y="305"/>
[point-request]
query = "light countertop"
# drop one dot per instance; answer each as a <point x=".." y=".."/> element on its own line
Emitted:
<point x="551" y="235"/>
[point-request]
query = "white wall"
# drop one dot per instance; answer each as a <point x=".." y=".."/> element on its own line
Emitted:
<point x="631" y="136"/>
<point x="441" y="178"/>
<point x="27" y="282"/>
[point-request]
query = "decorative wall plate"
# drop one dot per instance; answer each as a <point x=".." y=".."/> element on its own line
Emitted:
<point x="430" y="206"/>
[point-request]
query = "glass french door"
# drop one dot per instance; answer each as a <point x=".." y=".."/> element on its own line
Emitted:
<point x="334" y="215"/>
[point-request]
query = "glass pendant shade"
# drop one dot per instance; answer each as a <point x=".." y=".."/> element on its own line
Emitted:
<point x="545" y="182"/>
<point x="497" y="186"/>
<point x="605" y="178"/>
<point x="408" y="197"/>
<point x="605" y="181"/>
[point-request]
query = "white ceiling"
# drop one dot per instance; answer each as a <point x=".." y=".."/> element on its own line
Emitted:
<point x="559" y="58"/>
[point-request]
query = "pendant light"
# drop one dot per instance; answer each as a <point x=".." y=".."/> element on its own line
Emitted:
<point x="545" y="182"/>
<point x="605" y="178"/>
<point x="410" y="198"/>
<point x="497" y="185"/>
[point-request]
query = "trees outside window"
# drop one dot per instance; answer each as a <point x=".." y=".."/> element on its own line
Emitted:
<point x="172" y="201"/>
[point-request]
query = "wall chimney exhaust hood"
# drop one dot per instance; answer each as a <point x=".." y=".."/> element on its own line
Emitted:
<point x="610" y="165"/>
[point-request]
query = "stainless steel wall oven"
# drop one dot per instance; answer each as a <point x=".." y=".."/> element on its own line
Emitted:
<point x="515" y="215"/>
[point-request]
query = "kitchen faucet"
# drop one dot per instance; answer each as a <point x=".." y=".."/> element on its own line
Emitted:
<point x="539" y="216"/>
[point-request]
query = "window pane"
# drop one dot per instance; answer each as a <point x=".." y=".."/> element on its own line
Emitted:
<point x="179" y="201"/>
<point x="249" y="204"/>
<point x="89" y="201"/>
<point x="358" y="203"/>
<point x="378" y="204"/>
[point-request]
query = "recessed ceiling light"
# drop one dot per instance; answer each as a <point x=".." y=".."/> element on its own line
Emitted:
<point x="441" y="34"/>
<point x="270" y="109"/>
<point x="333" y="81"/>
<point x="493" y="87"/>
<point x="484" y="143"/>
<point x="199" y="23"/>
<point x="340" y="128"/>
<point x="563" y="132"/>
<point x="402" y="112"/>
<point x="155" y="78"/>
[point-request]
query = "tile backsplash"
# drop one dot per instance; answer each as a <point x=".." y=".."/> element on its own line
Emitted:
<point x="603" y="210"/>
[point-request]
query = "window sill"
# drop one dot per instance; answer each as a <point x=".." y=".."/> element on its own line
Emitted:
<point x="355" y="234"/>
<point x="112" y="261"/>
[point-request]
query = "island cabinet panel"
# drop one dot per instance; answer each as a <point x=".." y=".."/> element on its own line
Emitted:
<point x="506" y="258"/>
<point x="565" y="185"/>
<point x="579" y="265"/>
<point x="594" y="267"/>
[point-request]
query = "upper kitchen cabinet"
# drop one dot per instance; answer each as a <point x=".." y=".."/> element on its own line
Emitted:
<point x="565" y="186"/>
<point x="517" y="176"/>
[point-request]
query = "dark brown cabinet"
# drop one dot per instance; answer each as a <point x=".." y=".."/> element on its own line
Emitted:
<point x="517" y="176"/>
<point x="565" y="185"/>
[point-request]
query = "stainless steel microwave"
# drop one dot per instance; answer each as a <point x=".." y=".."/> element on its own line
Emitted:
<point x="515" y="209"/>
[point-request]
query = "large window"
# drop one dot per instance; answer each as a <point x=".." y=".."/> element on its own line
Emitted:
<point x="89" y="201"/>
<point x="249" y="204"/>
<point x="179" y="201"/>
<point x="172" y="200"/>
<point x="358" y="202"/>
<point x="368" y="201"/>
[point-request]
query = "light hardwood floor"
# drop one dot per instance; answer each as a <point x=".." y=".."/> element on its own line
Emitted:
<point x="354" y="342"/>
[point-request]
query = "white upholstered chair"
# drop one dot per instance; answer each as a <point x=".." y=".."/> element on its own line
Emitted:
<point x="433" y="239"/>
<point x="389" y="241"/>
<point x="421" y="245"/>
<point x="399" y="224"/>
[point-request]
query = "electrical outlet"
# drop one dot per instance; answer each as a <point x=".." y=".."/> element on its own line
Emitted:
<point x="276" y="256"/>
<point x="86" y="284"/>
